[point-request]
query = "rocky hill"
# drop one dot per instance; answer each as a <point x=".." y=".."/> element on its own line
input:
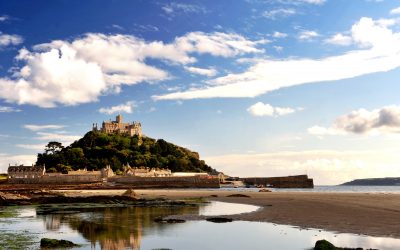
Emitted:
<point x="393" y="181"/>
<point x="97" y="150"/>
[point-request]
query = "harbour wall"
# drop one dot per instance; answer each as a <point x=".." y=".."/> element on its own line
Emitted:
<point x="58" y="179"/>
<point x="137" y="182"/>
<point x="167" y="182"/>
<point x="297" y="181"/>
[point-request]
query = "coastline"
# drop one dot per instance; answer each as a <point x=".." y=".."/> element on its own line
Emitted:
<point x="372" y="214"/>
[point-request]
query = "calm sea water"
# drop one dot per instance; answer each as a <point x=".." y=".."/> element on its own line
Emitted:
<point x="344" y="189"/>
<point x="104" y="227"/>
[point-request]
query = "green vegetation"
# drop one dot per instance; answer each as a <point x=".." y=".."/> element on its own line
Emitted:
<point x="53" y="243"/>
<point x="97" y="150"/>
<point x="16" y="240"/>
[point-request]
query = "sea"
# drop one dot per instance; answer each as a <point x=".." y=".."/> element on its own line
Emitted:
<point x="330" y="189"/>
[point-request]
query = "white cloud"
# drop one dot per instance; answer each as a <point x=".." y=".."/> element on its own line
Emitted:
<point x="261" y="109"/>
<point x="395" y="11"/>
<point x="379" y="51"/>
<point x="71" y="73"/>
<point x="6" y="109"/>
<point x="7" y="40"/>
<point x="279" y="13"/>
<point x="325" y="167"/>
<point x="278" y="48"/>
<point x="318" y="2"/>
<point x="307" y="35"/>
<point x="377" y="121"/>
<point x="65" y="139"/>
<point x="173" y="7"/>
<point x="37" y="147"/>
<point x="34" y="127"/>
<point x="278" y="34"/>
<point x="4" y="18"/>
<point x="200" y="71"/>
<point x="6" y="159"/>
<point x="122" y="108"/>
<point x="340" y="39"/>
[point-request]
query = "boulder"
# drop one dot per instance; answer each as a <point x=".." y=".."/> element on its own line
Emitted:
<point x="54" y="243"/>
<point x="219" y="219"/>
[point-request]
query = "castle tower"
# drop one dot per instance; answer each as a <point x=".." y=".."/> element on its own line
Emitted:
<point x="118" y="119"/>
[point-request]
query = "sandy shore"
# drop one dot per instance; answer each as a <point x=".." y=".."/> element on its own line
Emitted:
<point x="359" y="213"/>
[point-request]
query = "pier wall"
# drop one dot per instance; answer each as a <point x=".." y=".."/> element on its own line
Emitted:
<point x="167" y="182"/>
<point x="297" y="181"/>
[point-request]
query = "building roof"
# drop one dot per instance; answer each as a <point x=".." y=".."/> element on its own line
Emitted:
<point x="21" y="168"/>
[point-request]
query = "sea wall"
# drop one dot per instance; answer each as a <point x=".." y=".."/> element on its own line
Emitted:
<point x="57" y="179"/>
<point x="167" y="182"/>
<point x="297" y="181"/>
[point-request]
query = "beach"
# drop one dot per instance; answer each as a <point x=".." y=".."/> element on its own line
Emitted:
<point x="358" y="213"/>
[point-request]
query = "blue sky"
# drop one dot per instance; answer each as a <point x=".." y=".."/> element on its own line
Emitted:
<point x="257" y="87"/>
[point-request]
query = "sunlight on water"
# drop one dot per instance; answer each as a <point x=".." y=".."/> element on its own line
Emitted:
<point x="105" y="227"/>
<point x="224" y="208"/>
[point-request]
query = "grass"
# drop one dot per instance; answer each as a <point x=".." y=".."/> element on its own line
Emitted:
<point x="16" y="240"/>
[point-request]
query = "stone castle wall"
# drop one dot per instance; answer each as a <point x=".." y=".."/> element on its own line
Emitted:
<point x="298" y="181"/>
<point x="58" y="179"/>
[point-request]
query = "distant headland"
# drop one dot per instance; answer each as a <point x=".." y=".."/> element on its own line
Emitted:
<point x="388" y="181"/>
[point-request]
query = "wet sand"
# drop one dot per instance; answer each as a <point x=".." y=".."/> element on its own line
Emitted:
<point x="358" y="213"/>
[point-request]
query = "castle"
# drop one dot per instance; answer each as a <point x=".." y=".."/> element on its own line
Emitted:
<point x="119" y="127"/>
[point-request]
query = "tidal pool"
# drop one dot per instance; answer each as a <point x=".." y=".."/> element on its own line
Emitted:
<point x="111" y="227"/>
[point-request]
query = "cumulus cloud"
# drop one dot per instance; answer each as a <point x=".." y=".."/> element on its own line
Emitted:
<point x="261" y="109"/>
<point x="327" y="167"/>
<point x="201" y="71"/>
<point x="279" y="13"/>
<point x="307" y="35"/>
<point x="71" y="73"/>
<point x="383" y="120"/>
<point x="34" y="127"/>
<point x="6" y="159"/>
<point x="7" y="109"/>
<point x="340" y="39"/>
<point x="379" y="51"/>
<point x="7" y="40"/>
<point x="122" y="108"/>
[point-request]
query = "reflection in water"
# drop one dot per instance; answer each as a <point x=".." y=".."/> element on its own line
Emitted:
<point x="225" y="208"/>
<point x="110" y="227"/>
<point x="107" y="227"/>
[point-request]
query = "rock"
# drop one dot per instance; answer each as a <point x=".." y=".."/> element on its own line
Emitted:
<point x="129" y="193"/>
<point x="54" y="243"/>
<point x="324" y="245"/>
<point x="169" y="221"/>
<point x="219" y="219"/>
<point x="238" y="195"/>
<point x="264" y="190"/>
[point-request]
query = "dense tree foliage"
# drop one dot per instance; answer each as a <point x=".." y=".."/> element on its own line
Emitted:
<point x="97" y="150"/>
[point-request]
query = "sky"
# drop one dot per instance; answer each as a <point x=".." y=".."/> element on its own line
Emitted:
<point x="257" y="87"/>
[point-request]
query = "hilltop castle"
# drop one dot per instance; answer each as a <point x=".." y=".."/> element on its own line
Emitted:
<point x="119" y="127"/>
